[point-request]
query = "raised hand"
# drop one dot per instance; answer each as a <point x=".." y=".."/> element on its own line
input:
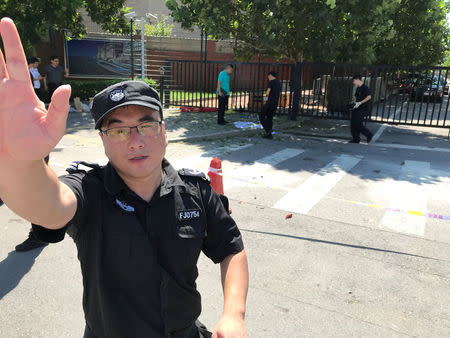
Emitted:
<point x="27" y="130"/>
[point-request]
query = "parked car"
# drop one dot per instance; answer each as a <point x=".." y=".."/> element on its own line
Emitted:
<point x="406" y="85"/>
<point x="439" y="81"/>
<point x="428" y="89"/>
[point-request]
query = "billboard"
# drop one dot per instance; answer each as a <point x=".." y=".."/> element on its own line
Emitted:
<point x="101" y="58"/>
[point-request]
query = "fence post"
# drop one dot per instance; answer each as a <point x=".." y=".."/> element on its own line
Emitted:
<point x="296" y="84"/>
<point x="373" y="90"/>
<point x="132" y="49"/>
<point x="165" y="89"/>
<point x="161" y="85"/>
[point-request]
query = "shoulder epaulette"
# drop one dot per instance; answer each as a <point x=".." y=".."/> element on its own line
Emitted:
<point x="73" y="167"/>
<point x="194" y="173"/>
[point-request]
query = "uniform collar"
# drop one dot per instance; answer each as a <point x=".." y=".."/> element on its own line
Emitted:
<point x="114" y="184"/>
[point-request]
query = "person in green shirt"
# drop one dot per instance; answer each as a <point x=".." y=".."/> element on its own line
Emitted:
<point x="223" y="93"/>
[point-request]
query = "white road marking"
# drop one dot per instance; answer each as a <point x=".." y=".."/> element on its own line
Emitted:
<point x="302" y="199"/>
<point x="384" y="126"/>
<point x="409" y="192"/>
<point x="250" y="171"/>
<point x="201" y="161"/>
<point x="405" y="146"/>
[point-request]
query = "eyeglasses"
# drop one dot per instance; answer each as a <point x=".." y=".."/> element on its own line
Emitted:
<point x="123" y="133"/>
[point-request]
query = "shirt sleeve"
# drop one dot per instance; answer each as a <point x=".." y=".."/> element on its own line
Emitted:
<point x="74" y="226"/>
<point x="223" y="237"/>
<point x="365" y="92"/>
<point x="221" y="77"/>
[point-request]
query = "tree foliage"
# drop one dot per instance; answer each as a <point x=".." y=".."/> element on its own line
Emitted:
<point x="359" y="31"/>
<point x="35" y="18"/>
<point x="160" y="28"/>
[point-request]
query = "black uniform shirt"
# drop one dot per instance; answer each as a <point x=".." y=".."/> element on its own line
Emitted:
<point x="139" y="259"/>
<point x="54" y="74"/>
<point x="361" y="93"/>
<point x="275" y="89"/>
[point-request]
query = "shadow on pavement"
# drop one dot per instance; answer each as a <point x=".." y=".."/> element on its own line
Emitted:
<point x="14" y="267"/>
<point x="315" y="240"/>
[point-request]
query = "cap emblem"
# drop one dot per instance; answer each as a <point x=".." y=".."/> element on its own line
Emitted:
<point x="116" y="95"/>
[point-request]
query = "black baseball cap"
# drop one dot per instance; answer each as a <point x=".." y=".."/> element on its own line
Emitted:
<point x="124" y="94"/>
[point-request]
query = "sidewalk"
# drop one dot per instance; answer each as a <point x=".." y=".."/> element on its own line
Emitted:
<point x="180" y="126"/>
<point x="194" y="126"/>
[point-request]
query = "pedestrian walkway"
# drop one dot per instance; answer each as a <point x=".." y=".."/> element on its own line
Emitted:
<point x="397" y="194"/>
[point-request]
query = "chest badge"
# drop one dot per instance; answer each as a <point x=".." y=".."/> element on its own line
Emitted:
<point x="188" y="215"/>
<point x="124" y="206"/>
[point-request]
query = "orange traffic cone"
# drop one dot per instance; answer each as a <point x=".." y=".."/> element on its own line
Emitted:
<point x="215" y="173"/>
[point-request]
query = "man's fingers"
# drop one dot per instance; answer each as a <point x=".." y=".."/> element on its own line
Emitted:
<point x="59" y="107"/>
<point x="3" y="70"/>
<point x="16" y="62"/>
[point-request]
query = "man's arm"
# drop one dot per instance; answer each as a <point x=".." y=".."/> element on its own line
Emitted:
<point x="66" y="72"/>
<point x="266" y="96"/>
<point x="219" y="88"/>
<point x="234" y="271"/>
<point x="29" y="133"/>
<point x="367" y="99"/>
<point x="45" y="79"/>
<point x="32" y="190"/>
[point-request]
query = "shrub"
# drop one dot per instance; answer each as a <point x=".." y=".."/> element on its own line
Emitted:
<point x="86" y="88"/>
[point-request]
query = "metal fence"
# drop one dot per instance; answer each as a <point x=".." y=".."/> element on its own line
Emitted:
<point x="400" y="95"/>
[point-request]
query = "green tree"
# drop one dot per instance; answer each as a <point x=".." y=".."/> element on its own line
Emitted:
<point x="36" y="18"/>
<point x="420" y="34"/>
<point x="314" y="30"/>
<point x="160" y="28"/>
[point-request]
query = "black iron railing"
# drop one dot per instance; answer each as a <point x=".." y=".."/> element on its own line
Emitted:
<point x="400" y="95"/>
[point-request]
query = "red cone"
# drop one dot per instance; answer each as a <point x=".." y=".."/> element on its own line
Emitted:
<point x="215" y="173"/>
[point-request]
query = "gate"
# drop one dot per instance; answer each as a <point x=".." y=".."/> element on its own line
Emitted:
<point x="400" y="95"/>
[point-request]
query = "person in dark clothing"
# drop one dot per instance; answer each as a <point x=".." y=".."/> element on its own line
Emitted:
<point x="360" y="111"/>
<point x="138" y="224"/>
<point x="223" y="93"/>
<point x="269" y="108"/>
<point x="54" y="75"/>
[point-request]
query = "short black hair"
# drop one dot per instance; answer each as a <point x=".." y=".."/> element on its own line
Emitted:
<point x="53" y="57"/>
<point x="273" y="73"/>
<point x="230" y="65"/>
<point x="32" y="59"/>
<point x="357" y="77"/>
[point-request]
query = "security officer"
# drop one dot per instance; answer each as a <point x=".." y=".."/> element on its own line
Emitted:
<point x="139" y="225"/>
<point x="360" y="110"/>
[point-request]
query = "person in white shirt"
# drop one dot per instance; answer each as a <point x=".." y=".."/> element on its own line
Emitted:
<point x="36" y="77"/>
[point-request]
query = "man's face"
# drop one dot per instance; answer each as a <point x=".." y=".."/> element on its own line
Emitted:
<point x="357" y="82"/>
<point x="36" y="64"/>
<point x="55" y="62"/>
<point x="229" y="70"/>
<point x="139" y="156"/>
<point x="270" y="77"/>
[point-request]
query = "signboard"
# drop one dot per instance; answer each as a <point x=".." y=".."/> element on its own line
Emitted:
<point x="101" y="58"/>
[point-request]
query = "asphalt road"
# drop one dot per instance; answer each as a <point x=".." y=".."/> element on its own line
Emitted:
<point x="365" y="253"/>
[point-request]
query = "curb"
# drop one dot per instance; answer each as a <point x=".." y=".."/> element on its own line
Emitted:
<point x="214" y="135"/>
<point x="339" y="136"/>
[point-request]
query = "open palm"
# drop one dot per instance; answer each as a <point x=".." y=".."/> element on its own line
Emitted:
<point x="27" y="130"/>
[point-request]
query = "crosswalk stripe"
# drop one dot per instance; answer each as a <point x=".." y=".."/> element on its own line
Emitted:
<point x="247" y="172"/>
<point x="408" y="191"/>
<point x="200" y="161"/>
<point x="302" y="199"/>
